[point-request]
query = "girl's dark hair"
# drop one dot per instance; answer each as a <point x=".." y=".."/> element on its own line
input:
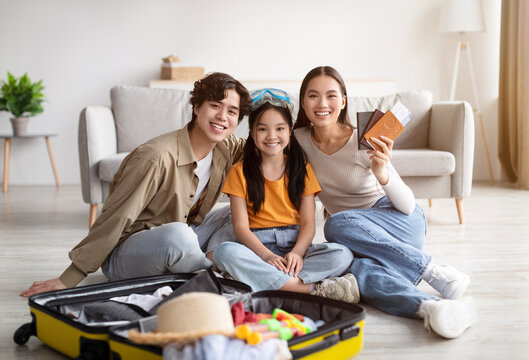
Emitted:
<point x="295" y="169"/>
<point x="213" y="87"/>
<point x="302" y="119"/>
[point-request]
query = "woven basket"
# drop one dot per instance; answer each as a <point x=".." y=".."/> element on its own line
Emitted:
<point x="170" y="71"/>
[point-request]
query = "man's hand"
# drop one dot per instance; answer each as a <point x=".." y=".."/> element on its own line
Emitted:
<point x="42" y="286"/>
<point x="294" y="263"/>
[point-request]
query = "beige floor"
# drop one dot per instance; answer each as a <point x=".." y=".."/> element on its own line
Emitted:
<point x="38" y="225"/>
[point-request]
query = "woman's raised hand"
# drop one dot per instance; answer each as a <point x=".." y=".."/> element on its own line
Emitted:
<point x="380" y="159"/>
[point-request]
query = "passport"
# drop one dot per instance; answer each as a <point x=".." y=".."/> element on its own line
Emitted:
<point x="362" y="120"/>
<point x="373" y="118"/>
<point x="389" y="124"/>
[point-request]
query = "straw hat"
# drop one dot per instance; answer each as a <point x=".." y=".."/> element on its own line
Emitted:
<point x="187" y="318"/>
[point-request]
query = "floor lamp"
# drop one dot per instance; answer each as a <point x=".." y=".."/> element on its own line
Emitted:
<point x="465" y="16"/>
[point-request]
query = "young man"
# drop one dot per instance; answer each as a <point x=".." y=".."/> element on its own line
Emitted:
<point x="157" y="217"/>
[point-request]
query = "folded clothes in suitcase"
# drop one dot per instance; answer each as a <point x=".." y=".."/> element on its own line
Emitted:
<point x="94" y="335"/>
<point x="341" y="336"/>
<point x="61" y="319"/>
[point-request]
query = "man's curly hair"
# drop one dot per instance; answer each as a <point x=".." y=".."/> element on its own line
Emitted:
<point x="213" y="87"/>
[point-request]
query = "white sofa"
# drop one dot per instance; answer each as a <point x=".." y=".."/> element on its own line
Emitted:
<point x="434" y="154"/>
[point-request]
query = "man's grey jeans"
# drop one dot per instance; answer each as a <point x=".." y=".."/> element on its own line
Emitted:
<point x="170" y="248"/>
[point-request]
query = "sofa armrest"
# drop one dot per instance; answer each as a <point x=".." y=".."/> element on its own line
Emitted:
<point x="96" y="140"/>
<point x="452" y="129"/>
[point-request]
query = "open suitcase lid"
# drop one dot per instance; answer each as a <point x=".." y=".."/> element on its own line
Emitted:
<point x="50" y="302"/>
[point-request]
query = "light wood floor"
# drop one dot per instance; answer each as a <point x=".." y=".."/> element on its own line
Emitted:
<point x="40" y="224"/>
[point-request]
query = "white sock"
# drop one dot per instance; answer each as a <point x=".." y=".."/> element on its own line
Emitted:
<point x="427" y="276"/>
<point x="422" y="307"/>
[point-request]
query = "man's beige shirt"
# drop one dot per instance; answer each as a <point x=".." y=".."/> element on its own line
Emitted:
<point x="154" y="185"/>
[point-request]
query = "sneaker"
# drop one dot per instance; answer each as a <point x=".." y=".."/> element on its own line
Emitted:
<point x="448" y="281"/>
<point x="448" y="318"/>
<point x="343" y="288"/>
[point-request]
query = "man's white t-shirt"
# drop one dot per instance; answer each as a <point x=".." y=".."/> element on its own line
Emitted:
<point x="203" y="171"/>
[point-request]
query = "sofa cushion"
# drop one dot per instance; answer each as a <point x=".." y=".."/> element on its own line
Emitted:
<point x="419" y="102"/>
<point x="110" y="165"/>
<point x="423" y="162"/>
<point x="142" y="113"/>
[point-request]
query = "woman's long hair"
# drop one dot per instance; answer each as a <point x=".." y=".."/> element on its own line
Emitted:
<point x="295" y="168"/>
<point x="302" y="119"/>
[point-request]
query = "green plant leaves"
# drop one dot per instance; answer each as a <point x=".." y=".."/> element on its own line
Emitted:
<point x="21" y="97"/>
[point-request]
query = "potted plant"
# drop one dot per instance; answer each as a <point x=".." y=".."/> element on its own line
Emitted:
<point x="23" y="99"/>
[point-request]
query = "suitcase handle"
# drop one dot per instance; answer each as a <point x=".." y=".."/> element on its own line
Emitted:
<point x="326" y="343"/>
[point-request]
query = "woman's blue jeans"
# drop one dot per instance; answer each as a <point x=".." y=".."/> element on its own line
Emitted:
<point x="388" y="260"/>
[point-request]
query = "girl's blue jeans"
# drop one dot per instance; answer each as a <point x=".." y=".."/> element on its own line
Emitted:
<point x="388" y="262"/>
<point x="322" y="260"/>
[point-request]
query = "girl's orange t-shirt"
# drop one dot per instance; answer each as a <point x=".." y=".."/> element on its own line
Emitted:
<point x="277" y="209"/>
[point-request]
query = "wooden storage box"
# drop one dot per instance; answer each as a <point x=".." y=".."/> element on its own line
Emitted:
<point x="175" y="71"/>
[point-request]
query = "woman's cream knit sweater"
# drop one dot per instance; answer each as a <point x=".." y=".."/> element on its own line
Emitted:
<point x="347" y="181"/>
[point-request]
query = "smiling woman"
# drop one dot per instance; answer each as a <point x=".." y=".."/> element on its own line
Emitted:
<point x="373" y="212"/>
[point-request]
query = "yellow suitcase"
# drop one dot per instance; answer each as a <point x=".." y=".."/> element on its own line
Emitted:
<point x="81" y="341"/>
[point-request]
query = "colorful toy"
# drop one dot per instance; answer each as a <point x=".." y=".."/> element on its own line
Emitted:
<point x="283" y="326"/>
<point x="280" y="314"/>
<point x="244" y="331"/>
<point x="282" y="333"/>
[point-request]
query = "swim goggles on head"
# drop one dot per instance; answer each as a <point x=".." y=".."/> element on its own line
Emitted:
<point x="273" y="96"/>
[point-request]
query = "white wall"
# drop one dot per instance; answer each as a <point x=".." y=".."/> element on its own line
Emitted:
<point x="82" y="48"/>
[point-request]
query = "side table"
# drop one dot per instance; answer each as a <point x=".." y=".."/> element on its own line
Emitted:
<point x="7" y="145"/>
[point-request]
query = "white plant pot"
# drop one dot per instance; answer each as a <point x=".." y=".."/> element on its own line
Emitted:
<point x="20" y="125"/>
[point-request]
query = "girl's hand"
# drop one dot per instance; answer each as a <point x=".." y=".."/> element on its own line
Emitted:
<point x="380" y="159"/>
<point x="294" y="263"/>
<point x="276" y="261"/>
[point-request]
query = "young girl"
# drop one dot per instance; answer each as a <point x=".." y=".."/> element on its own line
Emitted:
<point x="374" y="214"/>
<point x="272" y="203"/>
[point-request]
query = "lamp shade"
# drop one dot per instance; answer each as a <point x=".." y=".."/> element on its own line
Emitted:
<point x="461" y="16"/>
